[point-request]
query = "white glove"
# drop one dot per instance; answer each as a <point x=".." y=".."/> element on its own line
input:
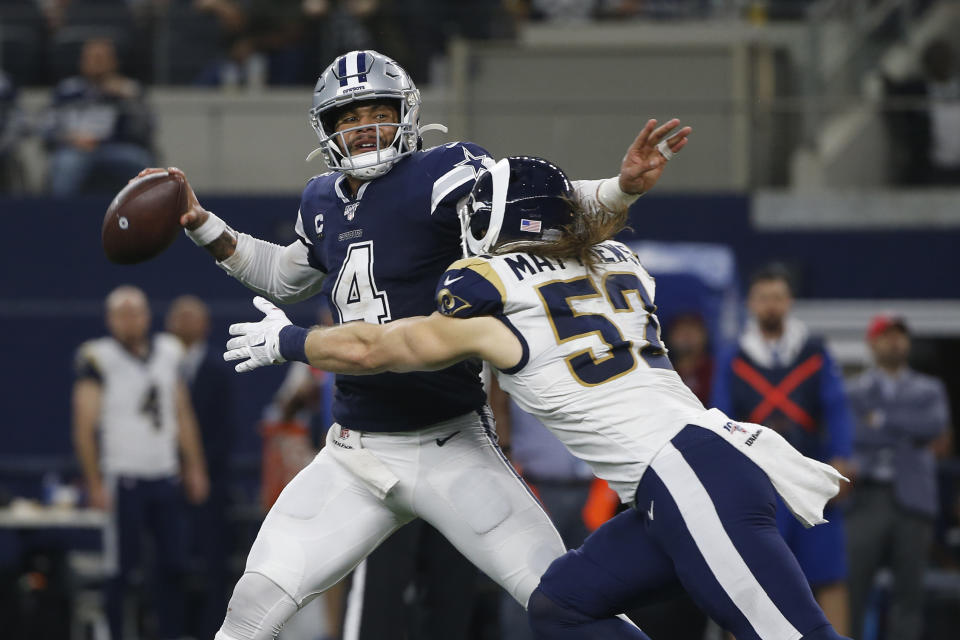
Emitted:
<point x="258" y="342"/>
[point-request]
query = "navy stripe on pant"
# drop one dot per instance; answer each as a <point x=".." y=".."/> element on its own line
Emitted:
<point x="704" y="516"/>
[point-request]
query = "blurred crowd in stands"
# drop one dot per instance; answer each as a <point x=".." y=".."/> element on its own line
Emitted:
<point x="284" y="42"/>
<point x="100" y="56"/>
<point x="929" y="139"/>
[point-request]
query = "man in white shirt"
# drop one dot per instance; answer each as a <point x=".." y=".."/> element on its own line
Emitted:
<point x="129" y="389"/>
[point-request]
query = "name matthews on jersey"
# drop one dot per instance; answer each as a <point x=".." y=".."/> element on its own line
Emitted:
<point x="520" y="265"/>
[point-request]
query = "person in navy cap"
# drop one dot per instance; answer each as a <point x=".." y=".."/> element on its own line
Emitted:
<point x="900" y="413"/>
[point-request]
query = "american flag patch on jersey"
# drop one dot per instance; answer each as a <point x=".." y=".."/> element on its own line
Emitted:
<point x="533" y="226"/>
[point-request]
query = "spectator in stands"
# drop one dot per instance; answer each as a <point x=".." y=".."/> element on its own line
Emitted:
<point x="553" y="10"/>
<point x="129" y="388"/>
<point x="99" y="126"/>
<point x="336" y="26"/>
<point x="900" y="414"/>
<point x="943" y="90"/>
<point x="927" y="139"/>
<point x="780" y="375"/>
<point x="210" y="382"/>
<point x="263" y="42"/>
<point x="687" y="340"/>
<point x="54" y="13"/>
<point x="12" y="128"/>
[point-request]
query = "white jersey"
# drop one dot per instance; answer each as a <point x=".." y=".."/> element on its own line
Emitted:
<point x="595" y="370"/>
<point x="138" y="418"/>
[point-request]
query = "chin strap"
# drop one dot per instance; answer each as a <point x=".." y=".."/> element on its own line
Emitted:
<point x="313" y="154"/>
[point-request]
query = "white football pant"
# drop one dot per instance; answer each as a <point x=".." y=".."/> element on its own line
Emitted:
<point x="326" y="521"/>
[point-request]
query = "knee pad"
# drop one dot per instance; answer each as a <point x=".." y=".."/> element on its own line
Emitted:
<point x="257" y="610"/>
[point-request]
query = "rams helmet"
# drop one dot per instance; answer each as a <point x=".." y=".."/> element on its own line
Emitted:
<point x="520" y="199"/>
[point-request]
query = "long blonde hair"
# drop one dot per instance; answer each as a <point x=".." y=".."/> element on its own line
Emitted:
<point x="578" y="238"/>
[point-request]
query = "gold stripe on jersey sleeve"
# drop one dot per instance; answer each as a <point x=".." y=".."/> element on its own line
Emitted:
<point x="86" y="357"/>
<point x="485" y="270"/>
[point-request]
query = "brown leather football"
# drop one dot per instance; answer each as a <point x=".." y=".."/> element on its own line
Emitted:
<point x="144" y="218"/>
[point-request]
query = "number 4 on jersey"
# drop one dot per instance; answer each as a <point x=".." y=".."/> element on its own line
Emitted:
<point x="355" y="293"/>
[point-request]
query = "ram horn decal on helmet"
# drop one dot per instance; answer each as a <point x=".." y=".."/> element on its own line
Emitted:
<point x="521" y="199"/>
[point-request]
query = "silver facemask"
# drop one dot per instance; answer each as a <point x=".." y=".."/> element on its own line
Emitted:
<point x="361" y="76"/>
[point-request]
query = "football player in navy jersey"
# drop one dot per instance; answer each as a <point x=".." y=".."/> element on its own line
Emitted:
<point x="375" y="233"/>
<point x="566" y="318"/>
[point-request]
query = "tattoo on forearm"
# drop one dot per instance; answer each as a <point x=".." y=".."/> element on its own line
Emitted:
<point x="223" y="247"/>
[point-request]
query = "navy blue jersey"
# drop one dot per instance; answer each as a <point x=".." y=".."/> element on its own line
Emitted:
<point x="383" y="252"/>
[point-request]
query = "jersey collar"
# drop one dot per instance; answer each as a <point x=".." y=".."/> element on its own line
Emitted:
<point x="342" y="191"/>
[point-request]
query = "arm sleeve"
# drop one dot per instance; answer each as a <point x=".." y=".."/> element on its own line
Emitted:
<point x="596" y="196"/>
<point x="283" y="274"/>
<point x="836" y="411"/>
<point x="720" y="392"/>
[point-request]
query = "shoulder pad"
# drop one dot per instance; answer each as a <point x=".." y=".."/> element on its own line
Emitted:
<point x="470" y="287"/>
<point x="455" y="166"/>
<point x="460" y="151"/>
<point x="319" y="175"/>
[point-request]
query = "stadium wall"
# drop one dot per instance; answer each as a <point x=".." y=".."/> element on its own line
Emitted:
<point x="54" y="278"/>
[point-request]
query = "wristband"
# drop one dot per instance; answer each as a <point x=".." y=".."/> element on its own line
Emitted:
<point x="610" y="196"/>
<point x="293" y="343"/>
<point x="212" y="228"/>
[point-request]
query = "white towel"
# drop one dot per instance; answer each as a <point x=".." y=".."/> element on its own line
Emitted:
<point x="346" y="449"/>
<point x="806" y="485"/>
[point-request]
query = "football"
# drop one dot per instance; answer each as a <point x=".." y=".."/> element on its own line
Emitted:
<point x="144" y="218"/>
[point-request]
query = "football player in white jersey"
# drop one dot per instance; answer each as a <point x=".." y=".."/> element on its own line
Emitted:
<point x="374" y="234"/>
<point x="129" y="388"/>
<point x="567" y="319"/>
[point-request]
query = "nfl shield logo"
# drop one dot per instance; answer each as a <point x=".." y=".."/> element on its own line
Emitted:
<point x="733" y="427"/>
<point x="351" y="210"/>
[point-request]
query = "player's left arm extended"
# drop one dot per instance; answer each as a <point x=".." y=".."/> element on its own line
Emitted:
<point x="424" y="343"/>
<point x="641" y="168"/>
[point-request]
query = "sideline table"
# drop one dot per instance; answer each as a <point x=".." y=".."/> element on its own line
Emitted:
<point x="87" y="619"/>
<point x="23" y="514"/>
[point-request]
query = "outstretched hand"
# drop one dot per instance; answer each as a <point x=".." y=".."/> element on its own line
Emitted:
<point x="257" y="343"/>
<point x="195" y="215"/>
<point x="646" y="158"/>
